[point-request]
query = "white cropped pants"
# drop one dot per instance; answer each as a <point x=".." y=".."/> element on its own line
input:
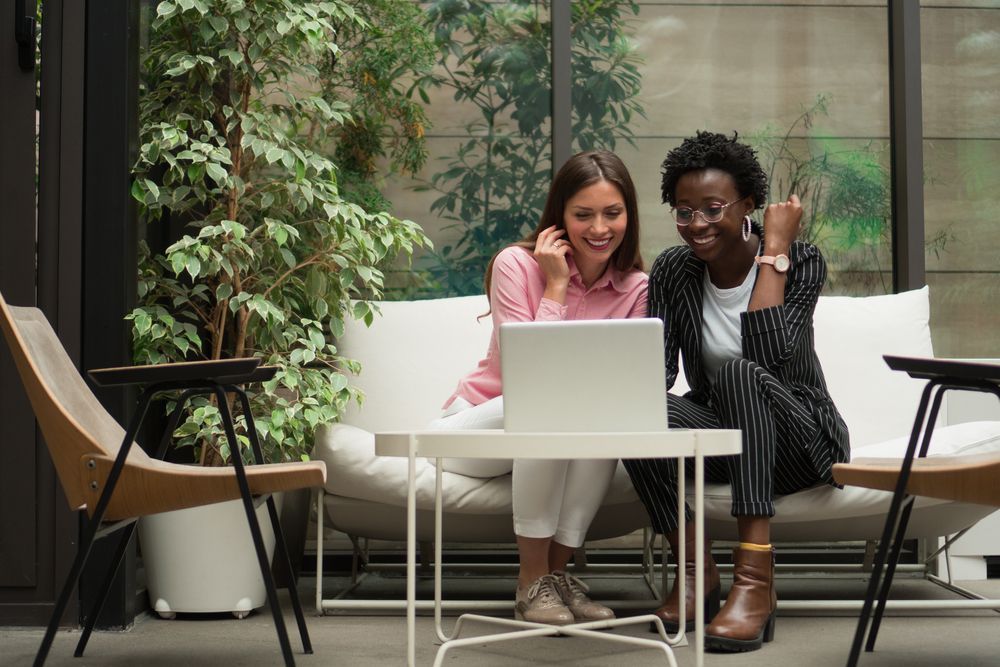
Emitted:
<point x="551" y="498"/>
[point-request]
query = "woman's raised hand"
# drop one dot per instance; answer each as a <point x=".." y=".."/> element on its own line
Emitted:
<point x="781" y="222"/>
<point x="550" y="253"/>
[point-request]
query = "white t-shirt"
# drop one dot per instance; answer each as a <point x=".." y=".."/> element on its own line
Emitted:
<point x="720" y="323"/>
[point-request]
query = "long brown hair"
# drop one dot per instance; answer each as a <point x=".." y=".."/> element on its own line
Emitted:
<point x="581" y="170"/>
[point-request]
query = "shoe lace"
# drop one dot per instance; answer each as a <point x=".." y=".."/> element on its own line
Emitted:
<point x="544" y="589"/>
<point x="575" y="587"/>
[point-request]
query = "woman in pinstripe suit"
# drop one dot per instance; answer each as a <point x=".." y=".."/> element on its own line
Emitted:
<point x="737" y="302"/>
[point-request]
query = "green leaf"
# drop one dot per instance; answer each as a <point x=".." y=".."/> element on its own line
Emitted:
<point x="223" y="291"/>
<point x="235" y="57"/>
<point x="142" y="321"/>
<point x="338" y="382"/>
<point x="137" y="192"/>
<point x="218" y="174"/>
<point x="337" y="328"/>
<point x="316" y="338"/>
<point x="361" y="310"/>
<point x="193" y="266"/>
<point x="220" y="25"/>
<point x="280" y="235"/>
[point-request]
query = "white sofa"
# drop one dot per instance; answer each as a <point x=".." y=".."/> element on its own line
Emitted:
<point x="414" y="352"/>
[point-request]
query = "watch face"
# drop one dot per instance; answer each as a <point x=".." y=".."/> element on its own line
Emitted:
<point x="782" y="263"/>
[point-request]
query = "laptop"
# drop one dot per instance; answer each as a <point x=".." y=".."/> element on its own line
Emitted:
<point x="583" y="376"/>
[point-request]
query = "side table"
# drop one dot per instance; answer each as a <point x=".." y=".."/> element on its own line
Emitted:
<point x="674" y="443"/>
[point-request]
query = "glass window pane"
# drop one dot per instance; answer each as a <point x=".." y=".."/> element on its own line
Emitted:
<point x="488" y="142"/>
<point x="807" y="83"/>
<point x="960" y="52"/>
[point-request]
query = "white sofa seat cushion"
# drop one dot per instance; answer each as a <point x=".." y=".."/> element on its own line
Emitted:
<point x="851" y="513"/>
<point x="854" y="511"/>
<point x="353" y="470"/>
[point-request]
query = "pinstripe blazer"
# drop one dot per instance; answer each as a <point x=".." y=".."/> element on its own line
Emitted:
<point x="779" y="338"/>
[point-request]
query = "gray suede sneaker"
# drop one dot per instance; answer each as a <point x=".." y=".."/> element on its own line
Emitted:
<point x="541" y="602"/>
<point x="574" y="595"/>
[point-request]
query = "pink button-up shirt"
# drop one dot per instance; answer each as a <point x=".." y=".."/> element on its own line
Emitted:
<point x="516" y="296"/>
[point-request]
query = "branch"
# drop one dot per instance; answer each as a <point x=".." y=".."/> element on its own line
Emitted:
<point x="314" y="259"/>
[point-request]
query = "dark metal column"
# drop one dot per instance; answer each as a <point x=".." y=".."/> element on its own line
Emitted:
<point x="562" y="83"/>
<point x="20" y="521"/>
<point x="109" y="246"/>
<point x="906" y="140"/>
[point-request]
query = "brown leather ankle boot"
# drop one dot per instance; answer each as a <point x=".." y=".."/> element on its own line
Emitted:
<point x="747" y="618"/>
<point x="670" y="611"/>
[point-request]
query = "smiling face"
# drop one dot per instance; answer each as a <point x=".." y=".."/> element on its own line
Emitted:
<point x="712" y="241"/>
<point x="596" y="220"/>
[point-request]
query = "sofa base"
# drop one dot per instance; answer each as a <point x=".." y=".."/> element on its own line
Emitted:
<point x="380" y="521"/>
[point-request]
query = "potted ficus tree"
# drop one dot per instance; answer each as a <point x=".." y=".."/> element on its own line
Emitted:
<point x="237" y="122"/>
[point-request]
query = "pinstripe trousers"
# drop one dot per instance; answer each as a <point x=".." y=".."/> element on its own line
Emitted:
<point x="777" y="432"/>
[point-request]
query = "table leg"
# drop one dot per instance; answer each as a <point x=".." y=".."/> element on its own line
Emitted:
<point x="699" y="556"/>
<point x="319" y="551"/>
<point x="411" y="555"/>
<point x="681" y="556"/>
<point x="438" y="527"/>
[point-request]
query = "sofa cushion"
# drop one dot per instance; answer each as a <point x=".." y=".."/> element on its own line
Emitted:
<point x="353" y="470"/>
<point x="852" y="334"/>
<point x="822" y="512"/>
<point x="831" y="509"/>
<point x="412" y="357"/>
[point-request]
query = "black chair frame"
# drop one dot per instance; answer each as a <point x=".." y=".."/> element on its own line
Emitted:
<point x="93" y="528"/>
<point x="942" y="377"/>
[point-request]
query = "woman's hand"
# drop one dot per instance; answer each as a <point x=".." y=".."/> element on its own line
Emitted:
<point x="550" y="253"/>
<point x="781" y="225"/>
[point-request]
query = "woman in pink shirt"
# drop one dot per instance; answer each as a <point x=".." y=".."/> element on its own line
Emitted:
<point x="582" y="262"/>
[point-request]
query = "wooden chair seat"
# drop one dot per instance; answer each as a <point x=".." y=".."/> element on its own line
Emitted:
<point x="971" y="479"/>
<point x="153" y="486"/>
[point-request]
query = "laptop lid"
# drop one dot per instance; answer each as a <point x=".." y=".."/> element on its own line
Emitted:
<point x="583" y="375"/>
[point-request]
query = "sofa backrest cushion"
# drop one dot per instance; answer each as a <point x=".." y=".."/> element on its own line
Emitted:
<point x="415" y="352"/>
<point x="412" y="357"/>
<point x="852" y="334"/>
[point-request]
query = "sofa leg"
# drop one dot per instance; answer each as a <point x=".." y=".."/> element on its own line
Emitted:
<point x="869" y="560"/>
<point x="359" y="558"/>
<point x="426" y="549"/>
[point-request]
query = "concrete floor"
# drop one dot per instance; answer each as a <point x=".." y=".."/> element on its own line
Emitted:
<point x="966" y="638"/>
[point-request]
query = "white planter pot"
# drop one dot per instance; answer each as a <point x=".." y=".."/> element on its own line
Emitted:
<point x="203" y="559"/>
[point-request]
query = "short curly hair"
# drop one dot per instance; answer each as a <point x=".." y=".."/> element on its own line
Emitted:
<point x="711" y="150"/>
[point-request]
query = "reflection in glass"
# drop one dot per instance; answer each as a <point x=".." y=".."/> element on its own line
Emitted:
<point x="807" y="85"/>
<point x="960" y="53"/>
<point x="490" y="145"/>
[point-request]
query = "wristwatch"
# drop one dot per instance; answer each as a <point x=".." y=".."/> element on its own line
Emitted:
<point x="781" y="263"/>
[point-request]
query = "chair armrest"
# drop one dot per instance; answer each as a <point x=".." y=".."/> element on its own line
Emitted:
<point x="224" y="371"/>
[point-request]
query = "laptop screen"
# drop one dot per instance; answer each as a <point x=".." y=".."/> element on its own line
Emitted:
<point x="583" y="376"/>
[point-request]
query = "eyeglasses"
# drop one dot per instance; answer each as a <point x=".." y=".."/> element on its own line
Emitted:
<point x="709" y="213"/>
